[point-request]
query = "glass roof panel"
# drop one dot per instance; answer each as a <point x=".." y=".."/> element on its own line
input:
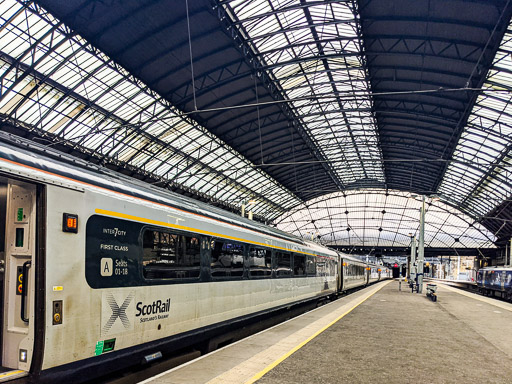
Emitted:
<point x="382" y="218"/>
<point x="99" y="106"/>
<point x="486" y="143"/>
<point x="314" y="54"/>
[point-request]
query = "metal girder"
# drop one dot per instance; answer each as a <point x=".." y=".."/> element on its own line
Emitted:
<point x="306" y="26"/>
<point x="391" y="115"/>
<point x="208" y="83"/>
<point x="248" y="51"/>
<point x="377" y="47"/>
<point x="323" y="42"/>
<point x="492" y="171"/>
<point x="415" y="19"/>
<point x="294" y="6"/>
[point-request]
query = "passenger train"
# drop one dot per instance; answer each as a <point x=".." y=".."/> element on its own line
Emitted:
<point x="100" y="271"/>
<point x="495" y="281"/>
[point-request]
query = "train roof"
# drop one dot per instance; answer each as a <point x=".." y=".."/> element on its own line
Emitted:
<point x="49" y="160"/>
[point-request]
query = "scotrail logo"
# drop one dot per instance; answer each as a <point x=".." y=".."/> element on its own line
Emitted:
<point x="157" y="310"/>
<point x="117" y="310"/>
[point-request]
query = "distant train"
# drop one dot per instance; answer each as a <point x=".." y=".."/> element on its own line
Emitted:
<point x="495" y="281"/>
<point x="99" y="270"/>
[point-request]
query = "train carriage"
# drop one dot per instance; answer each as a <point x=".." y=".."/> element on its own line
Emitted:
<point x="496" y="281"/>
<point x="102" y="268"/>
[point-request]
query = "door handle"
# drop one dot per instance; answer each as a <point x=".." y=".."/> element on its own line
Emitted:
<point x="24" y="287"/>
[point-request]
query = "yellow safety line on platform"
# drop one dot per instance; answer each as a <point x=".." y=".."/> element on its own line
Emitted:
<point x="487" y="300"/>
<point x="10" y="373"/>
<point x="260" y="374"/>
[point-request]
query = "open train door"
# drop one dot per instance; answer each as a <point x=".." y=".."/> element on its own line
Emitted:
<point x="17" y="276"/>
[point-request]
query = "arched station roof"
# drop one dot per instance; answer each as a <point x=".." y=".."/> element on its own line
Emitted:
<point x="277" y="101"/>
<point x="383" y="219"/>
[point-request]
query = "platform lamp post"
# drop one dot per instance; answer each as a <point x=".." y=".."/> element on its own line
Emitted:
<point x="421" y="245"/>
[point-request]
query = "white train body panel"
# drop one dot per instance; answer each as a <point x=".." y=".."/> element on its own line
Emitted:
<point x="193" y="305"/>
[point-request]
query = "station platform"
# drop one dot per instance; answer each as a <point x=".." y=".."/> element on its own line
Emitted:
<point x="376" y="335"/>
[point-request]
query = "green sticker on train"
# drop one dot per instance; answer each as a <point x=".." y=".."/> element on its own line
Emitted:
<point x="104" y="346"/>
<point x="99" y="348"/>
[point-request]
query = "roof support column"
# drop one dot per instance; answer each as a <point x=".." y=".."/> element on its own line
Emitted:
<point x="421" y="248"/>
<point x="412" y="267"/>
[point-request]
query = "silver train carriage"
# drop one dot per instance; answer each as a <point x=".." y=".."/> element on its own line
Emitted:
<point x="98" y="268"/>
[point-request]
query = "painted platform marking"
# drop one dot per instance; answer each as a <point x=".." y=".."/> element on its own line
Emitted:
<point x="10" y="373"/>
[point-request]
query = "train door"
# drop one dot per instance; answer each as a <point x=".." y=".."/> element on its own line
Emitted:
<point x="18" y="243"/>
<point x="340" y="274"/>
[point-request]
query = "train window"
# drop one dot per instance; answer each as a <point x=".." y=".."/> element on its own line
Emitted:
<point x="283" y="264"/>
<point x="311" y="266"/>
<point x="479" y="277"/>
<point x="169" y="255"/>
<point x="260" y="262"/>
<point x="299" y="265"/>
<point x="321" y="268"/>
<point x="496" y="278"/>
<point x="508" y="280"/>
<point x="330" y="267"/>
<point x="227" y="259"/>
<point x="488" y="277"/>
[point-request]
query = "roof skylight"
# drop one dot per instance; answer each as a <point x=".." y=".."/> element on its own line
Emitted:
<point x="55" y="81"/>
<point x="479" y="178"/>
<point x="314" y="54"/>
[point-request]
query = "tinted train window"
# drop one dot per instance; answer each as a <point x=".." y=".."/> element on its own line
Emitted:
<point x="299" y="265"/>
<point x="169" y="255"/>
<point x="227" y="259"/>
<point x="479" y="277"/>
<point x="488" y="278"/>
<point x="311" y="266"/>
<point x="283" y="264"/>
<point x="260" y="262"/>
<point x="321" y="268"/>
<point x="508" y="280"/>
<point x="496" y="279"/>
<point x="327" y="267"/>
<point x="331" y="268"/>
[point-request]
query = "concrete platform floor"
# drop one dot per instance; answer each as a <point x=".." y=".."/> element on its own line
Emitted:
<point x="376" y="335"/>
<point x="401" y="337"/>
